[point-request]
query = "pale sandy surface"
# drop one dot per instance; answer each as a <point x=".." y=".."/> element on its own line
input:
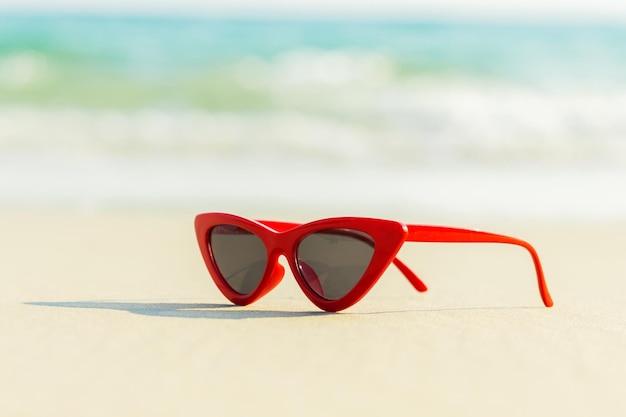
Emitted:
<point x="115" y="315"/>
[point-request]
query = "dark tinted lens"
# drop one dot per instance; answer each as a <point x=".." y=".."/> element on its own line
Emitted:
<point x="240" y="257"/>
<point x="333" y="261"/>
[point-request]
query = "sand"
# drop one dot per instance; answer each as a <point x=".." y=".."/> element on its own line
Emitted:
<point x="113" y="314"/>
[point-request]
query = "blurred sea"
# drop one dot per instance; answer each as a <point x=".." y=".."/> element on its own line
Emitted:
<point x="431" y="118"/>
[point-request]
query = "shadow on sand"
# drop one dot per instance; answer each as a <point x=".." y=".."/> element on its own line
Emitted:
<point x="232" y="312"/>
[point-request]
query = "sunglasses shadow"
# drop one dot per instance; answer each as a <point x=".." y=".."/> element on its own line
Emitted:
<point x="181" y="310"/>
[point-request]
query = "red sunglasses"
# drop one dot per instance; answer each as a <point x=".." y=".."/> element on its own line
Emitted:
<point x="335" y="261"/>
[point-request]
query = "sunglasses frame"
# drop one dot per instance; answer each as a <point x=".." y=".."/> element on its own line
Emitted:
<point x="283" y="238"/>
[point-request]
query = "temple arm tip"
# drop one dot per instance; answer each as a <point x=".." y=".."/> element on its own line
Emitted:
<point x="547" y="299"/>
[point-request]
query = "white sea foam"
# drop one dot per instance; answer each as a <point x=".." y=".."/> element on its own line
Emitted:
<point x="453" y="148"/>
<point x="419" y="126"/>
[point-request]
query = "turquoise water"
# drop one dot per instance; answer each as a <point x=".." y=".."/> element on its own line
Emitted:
<point x="106" y="110"/>
<point x="230" y="64"/>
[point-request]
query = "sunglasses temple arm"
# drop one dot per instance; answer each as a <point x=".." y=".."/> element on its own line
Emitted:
<point x="420" y="233"/>
<point x="410" y="275"/>
<point x="406" y="271"/>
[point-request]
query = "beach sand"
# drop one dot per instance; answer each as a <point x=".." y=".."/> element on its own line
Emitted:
<point x="114" y="314"/>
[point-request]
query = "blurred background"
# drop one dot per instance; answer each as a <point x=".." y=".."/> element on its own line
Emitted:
<point x="423" y="109"/>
